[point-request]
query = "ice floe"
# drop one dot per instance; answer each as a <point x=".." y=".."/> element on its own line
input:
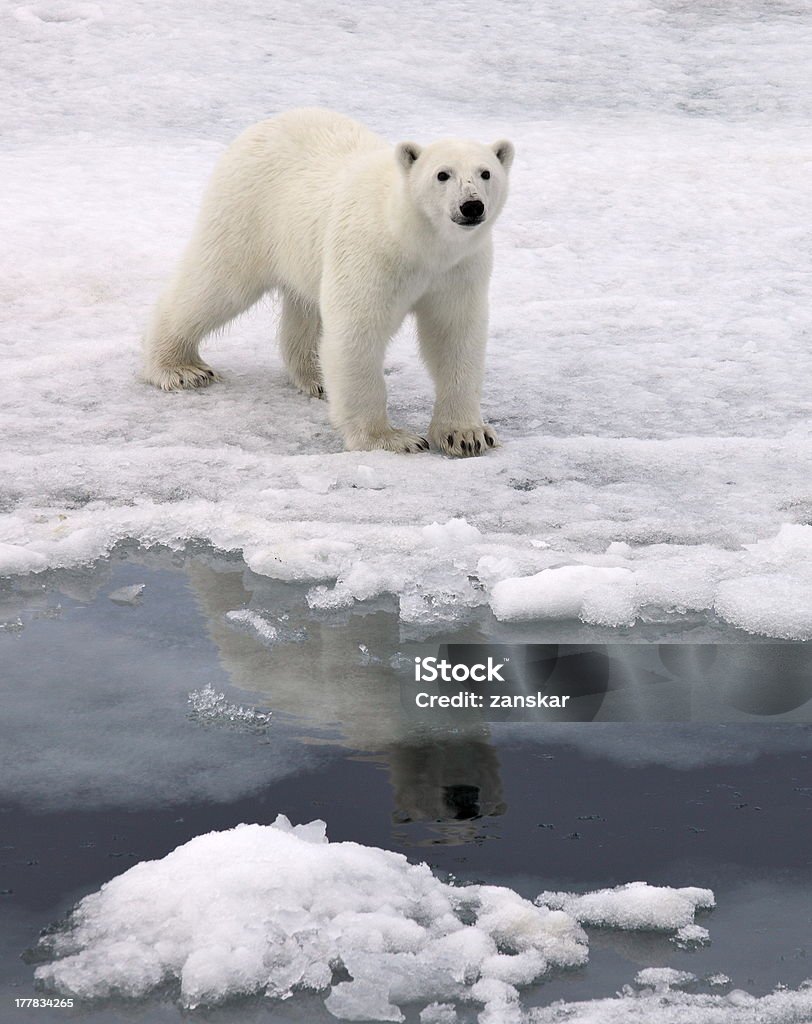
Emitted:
<point x="275" y="909"/>
<point x="784" y="1006"/>
<point x="279" y="910"/>
<point x="636" y="906"/>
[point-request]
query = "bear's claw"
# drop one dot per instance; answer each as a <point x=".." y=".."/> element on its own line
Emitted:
<point x="464" y="441"/>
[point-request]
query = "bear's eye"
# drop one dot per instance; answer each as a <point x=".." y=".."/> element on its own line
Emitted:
<point x="485" y="175"/>
<point x="443" y="176"/>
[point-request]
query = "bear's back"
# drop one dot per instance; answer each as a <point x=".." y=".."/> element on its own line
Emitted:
<point x="312" y="135"/>
<point x="278" y="182"/>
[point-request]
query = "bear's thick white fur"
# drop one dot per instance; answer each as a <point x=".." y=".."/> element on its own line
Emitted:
<point x="355" y="235"/>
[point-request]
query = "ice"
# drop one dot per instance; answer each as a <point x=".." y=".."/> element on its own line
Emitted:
<point x="771" y="605"/>
<point x="318" y="483"/>
<point x="648" y="366"/>
<point x="128" y="595"/>
<point x="438" y="1013"/>
<point x="555" y="593"/>
<point x="691" y="936"/>
<point x="718" y="980"/>
<point x="663" y="978"/>
<point x="208" y="707"/>
<point x="673" y="1007"/>
<point x="362" y="1000"/>
<point x="277" y="909"/>
<point x="501" y="1002"/>
<point x="636" y="906"/>
<point x="365" y="477"/>
<point x="454" y="533"/>
<point x="16" y="559"/>
<point x="255" y="623"/>
<point x="625" y="584"/>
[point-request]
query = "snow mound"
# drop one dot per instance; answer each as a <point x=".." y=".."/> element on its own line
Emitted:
<point x="783" y="1006"/>
<point x="277" y="908"/>
<point x="636" y="906"/>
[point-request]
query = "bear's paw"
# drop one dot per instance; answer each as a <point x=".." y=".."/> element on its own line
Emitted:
<point x="390" y="440"/>
<point x="176" y="378"/>
<point x="463" y="442"/>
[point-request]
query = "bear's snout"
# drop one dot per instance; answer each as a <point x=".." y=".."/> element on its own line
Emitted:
<point x="472" y="209"/>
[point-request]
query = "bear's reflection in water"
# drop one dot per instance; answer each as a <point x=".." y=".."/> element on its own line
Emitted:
<point x="445" y="774"/>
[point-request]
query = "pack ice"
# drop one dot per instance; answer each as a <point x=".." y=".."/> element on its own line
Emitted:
<point x="649" y="361"/>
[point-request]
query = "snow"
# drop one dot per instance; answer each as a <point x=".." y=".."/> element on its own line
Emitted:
<point x="636" y="906"/>
<point x="277" y="908"/>
<point x="649" y="362"/>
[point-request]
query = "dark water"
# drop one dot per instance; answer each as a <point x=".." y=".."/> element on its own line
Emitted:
<point x="671" y="776"/>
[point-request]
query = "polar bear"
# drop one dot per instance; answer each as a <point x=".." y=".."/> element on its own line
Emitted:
<point x="355" y="235"/>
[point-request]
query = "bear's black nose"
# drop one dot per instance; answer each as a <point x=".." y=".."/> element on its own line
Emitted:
<point x="472" y="209"/>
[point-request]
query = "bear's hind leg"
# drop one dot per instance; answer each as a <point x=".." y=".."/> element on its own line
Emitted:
<point x="299" y="332"/>
<point x="198" y="300"/>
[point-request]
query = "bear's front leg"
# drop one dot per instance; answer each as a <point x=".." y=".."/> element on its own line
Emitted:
<point x="351" y="356"/>
<point x="452" y="323"/>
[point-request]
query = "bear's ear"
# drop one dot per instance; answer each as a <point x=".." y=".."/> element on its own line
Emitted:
<point x="406" y="153"/>
<point x="504" y="152"/>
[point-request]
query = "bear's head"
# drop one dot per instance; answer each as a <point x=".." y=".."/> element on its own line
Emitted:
<point x="459" y="185"/>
